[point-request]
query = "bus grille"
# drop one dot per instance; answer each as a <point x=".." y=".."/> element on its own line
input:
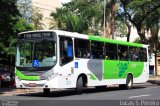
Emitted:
<point x="31" y="73"/>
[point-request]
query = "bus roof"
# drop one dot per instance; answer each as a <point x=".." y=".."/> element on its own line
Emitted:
<point x="97" y="38"/>
<point x="90" y="37"/>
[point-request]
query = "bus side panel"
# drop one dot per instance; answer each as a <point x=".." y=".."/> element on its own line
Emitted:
<point x="120" y="69"/>
<point x="144" y="76"/>
<point x="115" y="72"/>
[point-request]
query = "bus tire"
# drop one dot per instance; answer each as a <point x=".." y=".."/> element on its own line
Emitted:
<point x="46" y="91"/>
<point x="129" y="82"/>
<point x="79" y="85"/>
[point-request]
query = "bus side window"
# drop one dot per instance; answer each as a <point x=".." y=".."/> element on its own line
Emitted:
<point x="142" y="54"/>
<point x="123" y="52"/>
<point x="97" y="49"/>
<point x="111" y="51"/>
<point x="133" y="53"/>
<point x="66" y="50"/>
<point x="82" y="48"/>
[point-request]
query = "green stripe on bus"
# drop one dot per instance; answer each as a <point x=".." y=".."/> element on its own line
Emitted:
<point x="97" y="38"/>
<point x="92" y="77"/>
<point x="24" y="77"/>
<point x="120" y="69"/>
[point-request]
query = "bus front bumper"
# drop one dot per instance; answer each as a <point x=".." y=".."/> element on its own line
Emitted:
<point x="57" y="82"/>
<point x="34" y="84"/>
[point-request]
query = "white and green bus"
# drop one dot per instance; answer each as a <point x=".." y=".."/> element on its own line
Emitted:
<point x="59" y="59"/>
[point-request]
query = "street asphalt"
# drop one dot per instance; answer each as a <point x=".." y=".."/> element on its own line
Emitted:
<point x="141" y="94"/>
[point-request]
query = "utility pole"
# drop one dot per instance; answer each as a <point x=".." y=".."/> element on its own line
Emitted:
<point x="104" y="12"/>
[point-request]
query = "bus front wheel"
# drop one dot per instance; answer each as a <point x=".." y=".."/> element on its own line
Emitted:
<point x="79" y="85"/>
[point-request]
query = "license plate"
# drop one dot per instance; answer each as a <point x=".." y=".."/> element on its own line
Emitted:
<point x="32" y="84"/>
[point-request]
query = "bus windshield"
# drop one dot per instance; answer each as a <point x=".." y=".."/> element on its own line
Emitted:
<point x="36" y="53"/>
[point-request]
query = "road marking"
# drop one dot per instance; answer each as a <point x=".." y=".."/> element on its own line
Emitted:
<point x="138" y="96"/>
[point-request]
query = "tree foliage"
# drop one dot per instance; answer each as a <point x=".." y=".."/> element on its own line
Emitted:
<point x="89" y="14"/>
<point x="78" y="15"/>
<point x="25" y="8"/>
<point x="8" y="18"/>
<point x="139" y="13"/>
<point x="37" y="18"/>
<point x="11" y="23"/>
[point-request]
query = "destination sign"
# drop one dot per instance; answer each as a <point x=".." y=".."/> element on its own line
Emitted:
<point x="37" y="35"/>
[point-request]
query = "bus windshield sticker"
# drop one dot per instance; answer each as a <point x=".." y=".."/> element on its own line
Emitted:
<point x="35" y="63"/>
<point x="69" y="51"/>
<point x="76" y="64"/>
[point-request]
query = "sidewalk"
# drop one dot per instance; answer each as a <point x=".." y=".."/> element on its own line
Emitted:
<point x="10" y="91"/>
<point x="154" y="79"/>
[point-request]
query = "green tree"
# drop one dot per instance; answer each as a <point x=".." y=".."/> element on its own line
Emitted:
<point x="78" y="15"/>
<point x="59" y="17"/>
<point x="25" y="8"/>
<point x="126" y="24"/>
<point x="121" y="28"/>
<point x="11" y="23"/>
<point x="137" y="12"/>
<point x="153" y="25"/>
<point x="8" y="18"/>
<point x="145" y="15"/>
<point x="111" y="8"/>
<point x="37" y="18"/>
<point x="22" y="25"/>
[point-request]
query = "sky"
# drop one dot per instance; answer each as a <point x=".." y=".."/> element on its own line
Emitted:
<point x="64" y="1"/>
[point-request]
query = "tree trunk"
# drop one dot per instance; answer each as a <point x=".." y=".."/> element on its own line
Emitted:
<point x="129" y="30"/>
<point x="113" y="11"/>
<point x="110" y="23"/>
<point x="155" y="47"/>
<point x="141" y="34"/>
<point x="108" y="30"/>
<point x="154" y="37"/>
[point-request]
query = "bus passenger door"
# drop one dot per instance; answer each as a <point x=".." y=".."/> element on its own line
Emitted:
<point x="66" y="56"/>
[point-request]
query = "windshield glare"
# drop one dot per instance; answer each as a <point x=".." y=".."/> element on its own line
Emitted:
<point x="44" y="53"/>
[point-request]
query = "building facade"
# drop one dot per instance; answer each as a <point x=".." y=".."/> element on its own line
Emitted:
<point x="46" y="7"/>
